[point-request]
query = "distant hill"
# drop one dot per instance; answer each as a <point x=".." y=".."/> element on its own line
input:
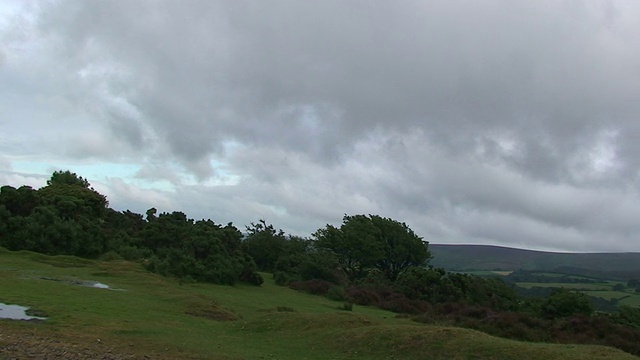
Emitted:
<point x="487" y="257"/>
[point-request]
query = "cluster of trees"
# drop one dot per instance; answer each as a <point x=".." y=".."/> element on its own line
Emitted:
<point x="63" y="217"/>
<point x="69" y="217"/>
<point x="634" y="283"/>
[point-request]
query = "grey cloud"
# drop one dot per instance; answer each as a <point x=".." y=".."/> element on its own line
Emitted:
<point x="455" y="69"/>
<point x="474" y="121"/>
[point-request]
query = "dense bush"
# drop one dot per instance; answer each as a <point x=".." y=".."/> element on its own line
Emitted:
<point x="575" y="329"/>
<point x="336" y="293"/>
<point x="315" y="286"/>
<point x="363" y="296"/>
<point x="404" y="305"/>
<point x="69" y="217"/>
<point x="566" y="303"/>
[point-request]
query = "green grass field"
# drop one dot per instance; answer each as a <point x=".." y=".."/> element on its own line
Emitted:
<point x="149" y="315"/>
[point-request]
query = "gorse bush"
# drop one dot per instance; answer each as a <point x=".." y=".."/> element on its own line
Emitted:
<point x="336" y="293"/>
<point x="363" y="296"/>
<point x="404" y="305"/>
<point x="575" y="329"/>
<point x="315" y="287"/>
<point x="347" y="306"/>
<point x="566" y="303"/>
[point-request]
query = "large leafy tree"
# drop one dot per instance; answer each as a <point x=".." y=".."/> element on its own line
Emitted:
<point x="354" y="245"/>
<point x="20" y="201"/>
<point x="402" y="247"/>
<point x="73" y="196"/>
<point x="265" y="245"/>
<point x="68" y="178"/>
<point x="372" y="242"/>
<point x="60" y="218"/>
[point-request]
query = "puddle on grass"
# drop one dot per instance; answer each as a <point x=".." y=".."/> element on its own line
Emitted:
<point x="93" y="284"/>
<point x="16" y="312"/>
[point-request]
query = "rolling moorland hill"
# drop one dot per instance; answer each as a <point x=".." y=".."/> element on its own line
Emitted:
<point x="141" y="315"/>
<point x="486" y="257"/>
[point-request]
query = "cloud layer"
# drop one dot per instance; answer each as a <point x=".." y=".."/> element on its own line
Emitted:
<point x="502" y="122"/>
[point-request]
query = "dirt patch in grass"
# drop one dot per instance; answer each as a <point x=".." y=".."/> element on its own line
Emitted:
<point x="211" y="311"/>
<point x="36" y="341"/>
<point x="28" y="345"/>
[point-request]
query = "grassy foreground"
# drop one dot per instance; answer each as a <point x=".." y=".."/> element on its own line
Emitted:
<point x="148" y="316"/>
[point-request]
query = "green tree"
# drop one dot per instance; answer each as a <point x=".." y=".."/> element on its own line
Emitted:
<point x="354" y="245"/>
<point x="65" y="188"/>
<point x="402" y="247"/>
<point x="563" y="302"/>
<point x="265" y="245"/>
<point x="423" y="284"/>
<point x="373" y="242"/>
<point x="618" y="287"/>
<point x="68" y="178"/>
<point x="21" y="201"/>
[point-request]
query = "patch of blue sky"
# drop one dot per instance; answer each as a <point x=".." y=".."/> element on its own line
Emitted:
<point x="223" y="176"/>
<point x="104" y="171"/>
<point x="96" y="172"/>
<point x="8" y="9"/>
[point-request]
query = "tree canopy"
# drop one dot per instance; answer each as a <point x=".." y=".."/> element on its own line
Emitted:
<point x="69" y="217"/>
<point x="67" y="178"/>
<point x="364" y="242"/>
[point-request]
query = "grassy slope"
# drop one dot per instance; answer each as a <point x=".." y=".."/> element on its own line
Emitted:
<point x="159" y="317"/>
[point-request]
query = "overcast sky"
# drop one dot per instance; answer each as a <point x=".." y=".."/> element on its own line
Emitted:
<point x="512" y="123"/>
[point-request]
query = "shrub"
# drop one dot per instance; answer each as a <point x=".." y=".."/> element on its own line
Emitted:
<point x="404" y="305"/>
<point x="347" y="306"/>
<point x="110" y="256"/>
<point x="628" y="316"/>
<point x="252" y="277"/>
<point x="363" y="296"/>
<point x="315" y="286"/>
<point x="476" y="312"/>
<point x="281" y="278"/>
<point x="566" y="303"/>
<point x="336" y="293"/>
<point x="132" y="253"/>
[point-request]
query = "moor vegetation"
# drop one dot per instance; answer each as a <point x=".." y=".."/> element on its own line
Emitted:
<point x="368" y="260"/>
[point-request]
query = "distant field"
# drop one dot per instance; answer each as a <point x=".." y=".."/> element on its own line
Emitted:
<point x="633" y="301"/>
<point x="487" y="272"/>
<point x="153" y="317"/>
<point x="600" y="289"/>
<point x="572" y="286"/>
